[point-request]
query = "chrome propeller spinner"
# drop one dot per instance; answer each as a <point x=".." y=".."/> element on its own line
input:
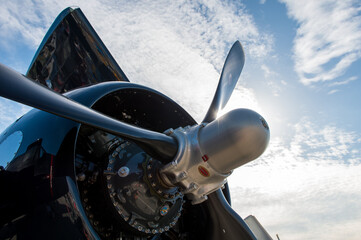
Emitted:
<point x="208" y="153"/>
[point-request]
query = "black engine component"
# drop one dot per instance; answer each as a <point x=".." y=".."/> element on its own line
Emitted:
<point x="119" y="183"/>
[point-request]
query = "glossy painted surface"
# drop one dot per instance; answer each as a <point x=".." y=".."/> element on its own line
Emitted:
<point x="72" y="55"/>
<point x="34" y="181"/>
<point x="58" y="217"/>
<point x="9" y="146"/>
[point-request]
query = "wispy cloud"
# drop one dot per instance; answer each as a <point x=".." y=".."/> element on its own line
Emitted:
<point x="328" y="38"/>
<point x="313" y="177"/>
<point x="267" y="71"/>
<point x="274" y="85"/>
<point x="333" y="91"/>
<point x="339" y="83"/>
<point x="176" y="47"/>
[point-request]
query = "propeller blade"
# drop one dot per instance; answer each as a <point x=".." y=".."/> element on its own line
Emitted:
<point x="231" y="71"/>
<point x="18" y="88"/>
<point x="224" y="222"/>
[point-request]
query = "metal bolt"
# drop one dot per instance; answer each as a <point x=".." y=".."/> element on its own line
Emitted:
<point x="123" y="171"/>
<point x="181" y="176"/>
<point x="114" y="154"/>
<point x="80" y="177"/>
<point x="169" y="131"/>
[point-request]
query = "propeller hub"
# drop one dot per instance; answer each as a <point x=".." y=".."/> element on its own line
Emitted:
<point x="208" y="153"/>
<point x="234" y="139"/>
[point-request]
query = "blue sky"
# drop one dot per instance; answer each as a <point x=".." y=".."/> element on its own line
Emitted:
<point x="302" y="73"/>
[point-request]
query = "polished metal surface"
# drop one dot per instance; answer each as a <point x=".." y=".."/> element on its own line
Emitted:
<point x="72" y="55"/>
<point x="18" y="88"/>
<point x="231" y="71"/>
<point x="188" y="170"/>
<point x="234" y="139"/>
<point x="209" y="152"/>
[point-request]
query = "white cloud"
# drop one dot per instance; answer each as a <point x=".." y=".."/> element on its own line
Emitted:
<point x="267" y="71"/>
<point x="339" y="83"/>
<point x="25" y="20"/>
<point x="176" y="47"/>
<point x="333" y="91"/>
<point x="328" y="38"/>
<point x="273" y="83"/>
<point x="306" y="187"/>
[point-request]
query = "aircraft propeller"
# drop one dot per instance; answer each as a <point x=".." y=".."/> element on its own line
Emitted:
<point x="18" y="88"/>
<point x="213" y="148"/>
<point x="230" y="73"/>
<point x="199" y="158"/>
